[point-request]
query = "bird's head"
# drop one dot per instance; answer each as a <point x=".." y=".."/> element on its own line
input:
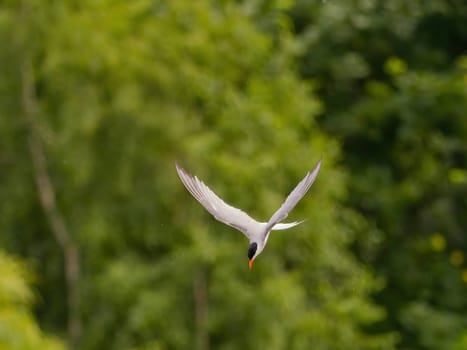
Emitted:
<point x="252" y="253"/>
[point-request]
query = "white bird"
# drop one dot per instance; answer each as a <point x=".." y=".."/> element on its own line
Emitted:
<point x="256" y="232"/>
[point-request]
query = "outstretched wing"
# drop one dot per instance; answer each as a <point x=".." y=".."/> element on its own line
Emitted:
<point x="293" y="198"/>
<point x="222" y="211"/>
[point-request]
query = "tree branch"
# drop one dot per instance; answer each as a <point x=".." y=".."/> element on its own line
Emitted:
<point x="47" y="197"/>
<point x="200" y="296"/>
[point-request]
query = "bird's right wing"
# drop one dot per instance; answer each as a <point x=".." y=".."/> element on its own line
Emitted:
<point x="293" y="198"/>
<point x="222" y="211"/>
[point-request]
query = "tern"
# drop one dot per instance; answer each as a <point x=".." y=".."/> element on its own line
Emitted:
<point x="256" y="232"/>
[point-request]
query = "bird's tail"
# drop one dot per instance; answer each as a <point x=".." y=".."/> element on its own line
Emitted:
<point x="285" y="226"/>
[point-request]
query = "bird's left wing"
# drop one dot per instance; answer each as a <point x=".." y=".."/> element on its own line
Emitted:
<point x="222" y="211"/>
<point x="293" y="198"/>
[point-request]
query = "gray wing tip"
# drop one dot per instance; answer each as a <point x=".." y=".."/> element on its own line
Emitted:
<point x="318" y="165"/>
<point x="182" y="173"/>
<point x="313" y="173"/>
<point x="179" y="168"/>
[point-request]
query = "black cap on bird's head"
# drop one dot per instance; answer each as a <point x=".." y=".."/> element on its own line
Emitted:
<point x="251" y="253"/>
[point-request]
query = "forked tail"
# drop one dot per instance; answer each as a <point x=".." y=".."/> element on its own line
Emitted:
<point x="285" y="226"/>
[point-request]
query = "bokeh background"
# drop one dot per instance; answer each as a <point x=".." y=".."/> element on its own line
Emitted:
<point x="101" y="247"/>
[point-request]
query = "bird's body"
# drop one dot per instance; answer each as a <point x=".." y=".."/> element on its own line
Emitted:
<point x="256" y="232"/>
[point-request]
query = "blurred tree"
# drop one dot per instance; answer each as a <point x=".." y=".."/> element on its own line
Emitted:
<point x="121" y="91"/>
<point x="18" y="329"/>
<point x="392" y="76"/>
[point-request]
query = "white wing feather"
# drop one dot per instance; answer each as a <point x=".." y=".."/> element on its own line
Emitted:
<point x="293" y="198"/>
<point x="222" y="211"/>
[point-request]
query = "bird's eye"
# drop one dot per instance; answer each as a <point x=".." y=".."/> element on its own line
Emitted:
<point x="252" y="250"/>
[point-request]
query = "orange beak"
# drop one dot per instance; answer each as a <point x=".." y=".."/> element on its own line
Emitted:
<point x="250" y="264"/>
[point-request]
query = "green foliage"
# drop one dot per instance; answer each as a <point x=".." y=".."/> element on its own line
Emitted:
<point x="392" y="76"/>
<point x="18" y="329"/>
<point x="438" y="326"/>
<point x="126" y="89"/>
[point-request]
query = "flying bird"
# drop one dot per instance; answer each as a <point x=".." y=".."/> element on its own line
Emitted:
<point x="256" y="232"/>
